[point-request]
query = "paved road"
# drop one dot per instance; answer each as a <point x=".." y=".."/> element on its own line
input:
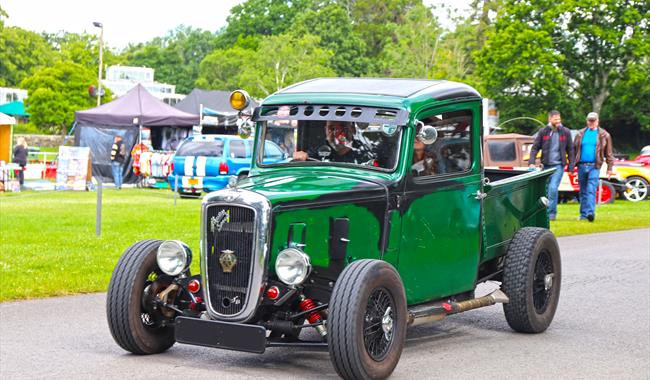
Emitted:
<point x="601" y="330"/>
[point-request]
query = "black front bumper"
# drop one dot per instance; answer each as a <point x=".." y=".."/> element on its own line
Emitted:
<point x="230" y="336"/>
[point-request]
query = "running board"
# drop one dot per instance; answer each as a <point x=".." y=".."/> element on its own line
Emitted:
<point x="438" y="311"/>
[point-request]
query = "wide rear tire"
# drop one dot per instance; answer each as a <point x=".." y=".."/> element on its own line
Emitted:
<point x="367" y="320"/>
<point x="131" y="324"/>
<point x="532" y="275"/>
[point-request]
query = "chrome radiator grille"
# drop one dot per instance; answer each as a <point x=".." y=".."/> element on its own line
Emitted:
<point x="229" y="235"/>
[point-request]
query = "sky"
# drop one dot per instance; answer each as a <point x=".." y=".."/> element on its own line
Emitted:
<point x="133" y="21"/>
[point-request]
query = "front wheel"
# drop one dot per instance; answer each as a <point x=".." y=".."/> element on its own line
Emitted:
<point x="367" y="320"/>
<point x="605" y="193"/>
<point x="532" y="275"/>
<point x="135" y="324"/>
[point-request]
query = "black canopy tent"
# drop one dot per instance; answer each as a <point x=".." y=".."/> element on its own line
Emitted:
<point x="125" y="116"/>
<point x="214" y="104"/>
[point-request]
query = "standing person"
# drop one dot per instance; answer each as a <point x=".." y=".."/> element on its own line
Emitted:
<point x="593" y="146"/>
<point x="118" y="152"/>
<point x="557" y="151"/>
<point x="20" y="158"/>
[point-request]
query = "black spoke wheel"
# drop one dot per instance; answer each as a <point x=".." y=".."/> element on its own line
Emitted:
<point x="367" y="320"/>
<point x="133" y="321"/>
<point x="542" y="281"/>
<point x="531" y="280"/>
<point x="378" y="324"/>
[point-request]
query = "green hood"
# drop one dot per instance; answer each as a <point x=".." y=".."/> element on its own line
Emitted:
<point x="300" y="187"/>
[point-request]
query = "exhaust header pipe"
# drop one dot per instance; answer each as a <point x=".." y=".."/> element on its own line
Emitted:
<point x="439" y="311"/>
<point x="496" y="296"/>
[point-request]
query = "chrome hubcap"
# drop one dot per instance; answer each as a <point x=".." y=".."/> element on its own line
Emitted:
<point x="387" y="323"/>
<point x="548" y="281"/>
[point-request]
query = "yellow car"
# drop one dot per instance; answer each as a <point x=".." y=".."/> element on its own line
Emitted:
<point x="633" y="179"/>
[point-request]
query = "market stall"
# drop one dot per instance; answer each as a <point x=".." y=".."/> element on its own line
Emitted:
<point x="6" y="136"/>
<point x="140" y="118"/>
<point x="217" y="116"/>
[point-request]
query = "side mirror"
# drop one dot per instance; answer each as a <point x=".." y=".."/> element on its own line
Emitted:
<point x="244" y="128"/>
<point x="427" y="135"/>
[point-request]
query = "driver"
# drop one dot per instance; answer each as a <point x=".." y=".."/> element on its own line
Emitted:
<point x="423" y="163"/>
<point x="339" y="136"/>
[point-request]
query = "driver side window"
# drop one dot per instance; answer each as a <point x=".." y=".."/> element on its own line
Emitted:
<point x="452" y="150"/>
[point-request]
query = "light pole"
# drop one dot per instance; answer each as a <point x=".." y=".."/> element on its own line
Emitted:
<point x="101" y="51"/>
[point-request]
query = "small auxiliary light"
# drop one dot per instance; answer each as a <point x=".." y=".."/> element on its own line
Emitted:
<point x="239" y="100"/>
<point x="273" y="293"/>
<point x="194" y="286"/>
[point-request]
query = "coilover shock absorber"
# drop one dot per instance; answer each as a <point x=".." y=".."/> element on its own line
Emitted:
<point x="314" y="317"/>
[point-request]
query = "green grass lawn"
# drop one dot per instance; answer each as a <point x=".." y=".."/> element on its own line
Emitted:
<point x="620" y="215"/>
<point x="48" y="245"/>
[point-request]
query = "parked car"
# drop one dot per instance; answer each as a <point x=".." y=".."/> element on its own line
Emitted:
<point x="345" y="239"/>
<point x="204" y="163"/>
<point x="508" y="151"/>
<point x="511" y="151"/>
<point x="632" y="180"/>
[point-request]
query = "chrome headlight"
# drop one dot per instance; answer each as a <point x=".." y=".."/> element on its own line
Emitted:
<point x="173" y="257"/>
<point x="292" y="266"/>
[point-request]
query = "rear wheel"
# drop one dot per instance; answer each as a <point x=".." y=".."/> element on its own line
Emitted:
<point x="532" y="275"/>
<point x="133" y="321"/>
<point x="367" y="320"/>
<point x="636" y="189"/>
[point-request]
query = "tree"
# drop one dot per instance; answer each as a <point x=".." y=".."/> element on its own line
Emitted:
<point x="175" y="57"/>
<point x="222" y="68"/>
<point x="335" y="29"/>
<point x="21" y="53"/>
<point x="261" y="17"/>
<point x="285" y="59"/>
<point x="81" y="48"/>
<point x="630" y="100"/>
<point x="56" y="92"/>
<point x="375" y="20"/>
<point x="570" y="55"/>
<point x="413" y="53"/>
<point x="278" y="62"/>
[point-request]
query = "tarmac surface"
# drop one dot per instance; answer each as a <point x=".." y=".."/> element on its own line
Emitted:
<point x="601" y="331"/>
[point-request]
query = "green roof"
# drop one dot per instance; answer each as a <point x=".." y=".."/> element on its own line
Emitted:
<point x="16" y="108"/>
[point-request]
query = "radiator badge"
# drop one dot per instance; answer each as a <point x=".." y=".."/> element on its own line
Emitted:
<point x="228" y="260"/>
<point x="217" y="222"/>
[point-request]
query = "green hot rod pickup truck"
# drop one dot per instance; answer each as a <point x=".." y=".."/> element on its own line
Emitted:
<point x="378" y="215"/>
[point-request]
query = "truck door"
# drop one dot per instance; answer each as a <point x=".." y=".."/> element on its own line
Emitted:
<point x="440" y="246"/>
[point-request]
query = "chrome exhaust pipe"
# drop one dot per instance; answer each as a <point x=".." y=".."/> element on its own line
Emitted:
<point x="496" y="296"/>
<point x="439" y="311"/>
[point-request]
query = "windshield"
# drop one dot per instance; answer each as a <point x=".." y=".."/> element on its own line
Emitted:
<point x="201" y="148"/>
<point x="319" y="142"/>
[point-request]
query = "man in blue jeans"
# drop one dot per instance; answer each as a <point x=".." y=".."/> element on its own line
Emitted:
<point x="593" y="146"/>
<point x="557" y="151"/>
<point x="118" y="153"/>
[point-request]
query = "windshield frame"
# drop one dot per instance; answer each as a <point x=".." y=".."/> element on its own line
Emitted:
<point x="261" y="130"/>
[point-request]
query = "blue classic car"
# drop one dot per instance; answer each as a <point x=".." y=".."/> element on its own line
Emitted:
<point x="203" y="163"/>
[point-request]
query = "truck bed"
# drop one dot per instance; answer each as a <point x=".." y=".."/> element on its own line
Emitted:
<point x="512" y="202"/>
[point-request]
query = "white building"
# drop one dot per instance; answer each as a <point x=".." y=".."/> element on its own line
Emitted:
<point x="120" y="79"/>
<point x="8" y="95"/>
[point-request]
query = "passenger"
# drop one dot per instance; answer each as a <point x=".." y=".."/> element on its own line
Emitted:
<point x="339" y="136"/>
